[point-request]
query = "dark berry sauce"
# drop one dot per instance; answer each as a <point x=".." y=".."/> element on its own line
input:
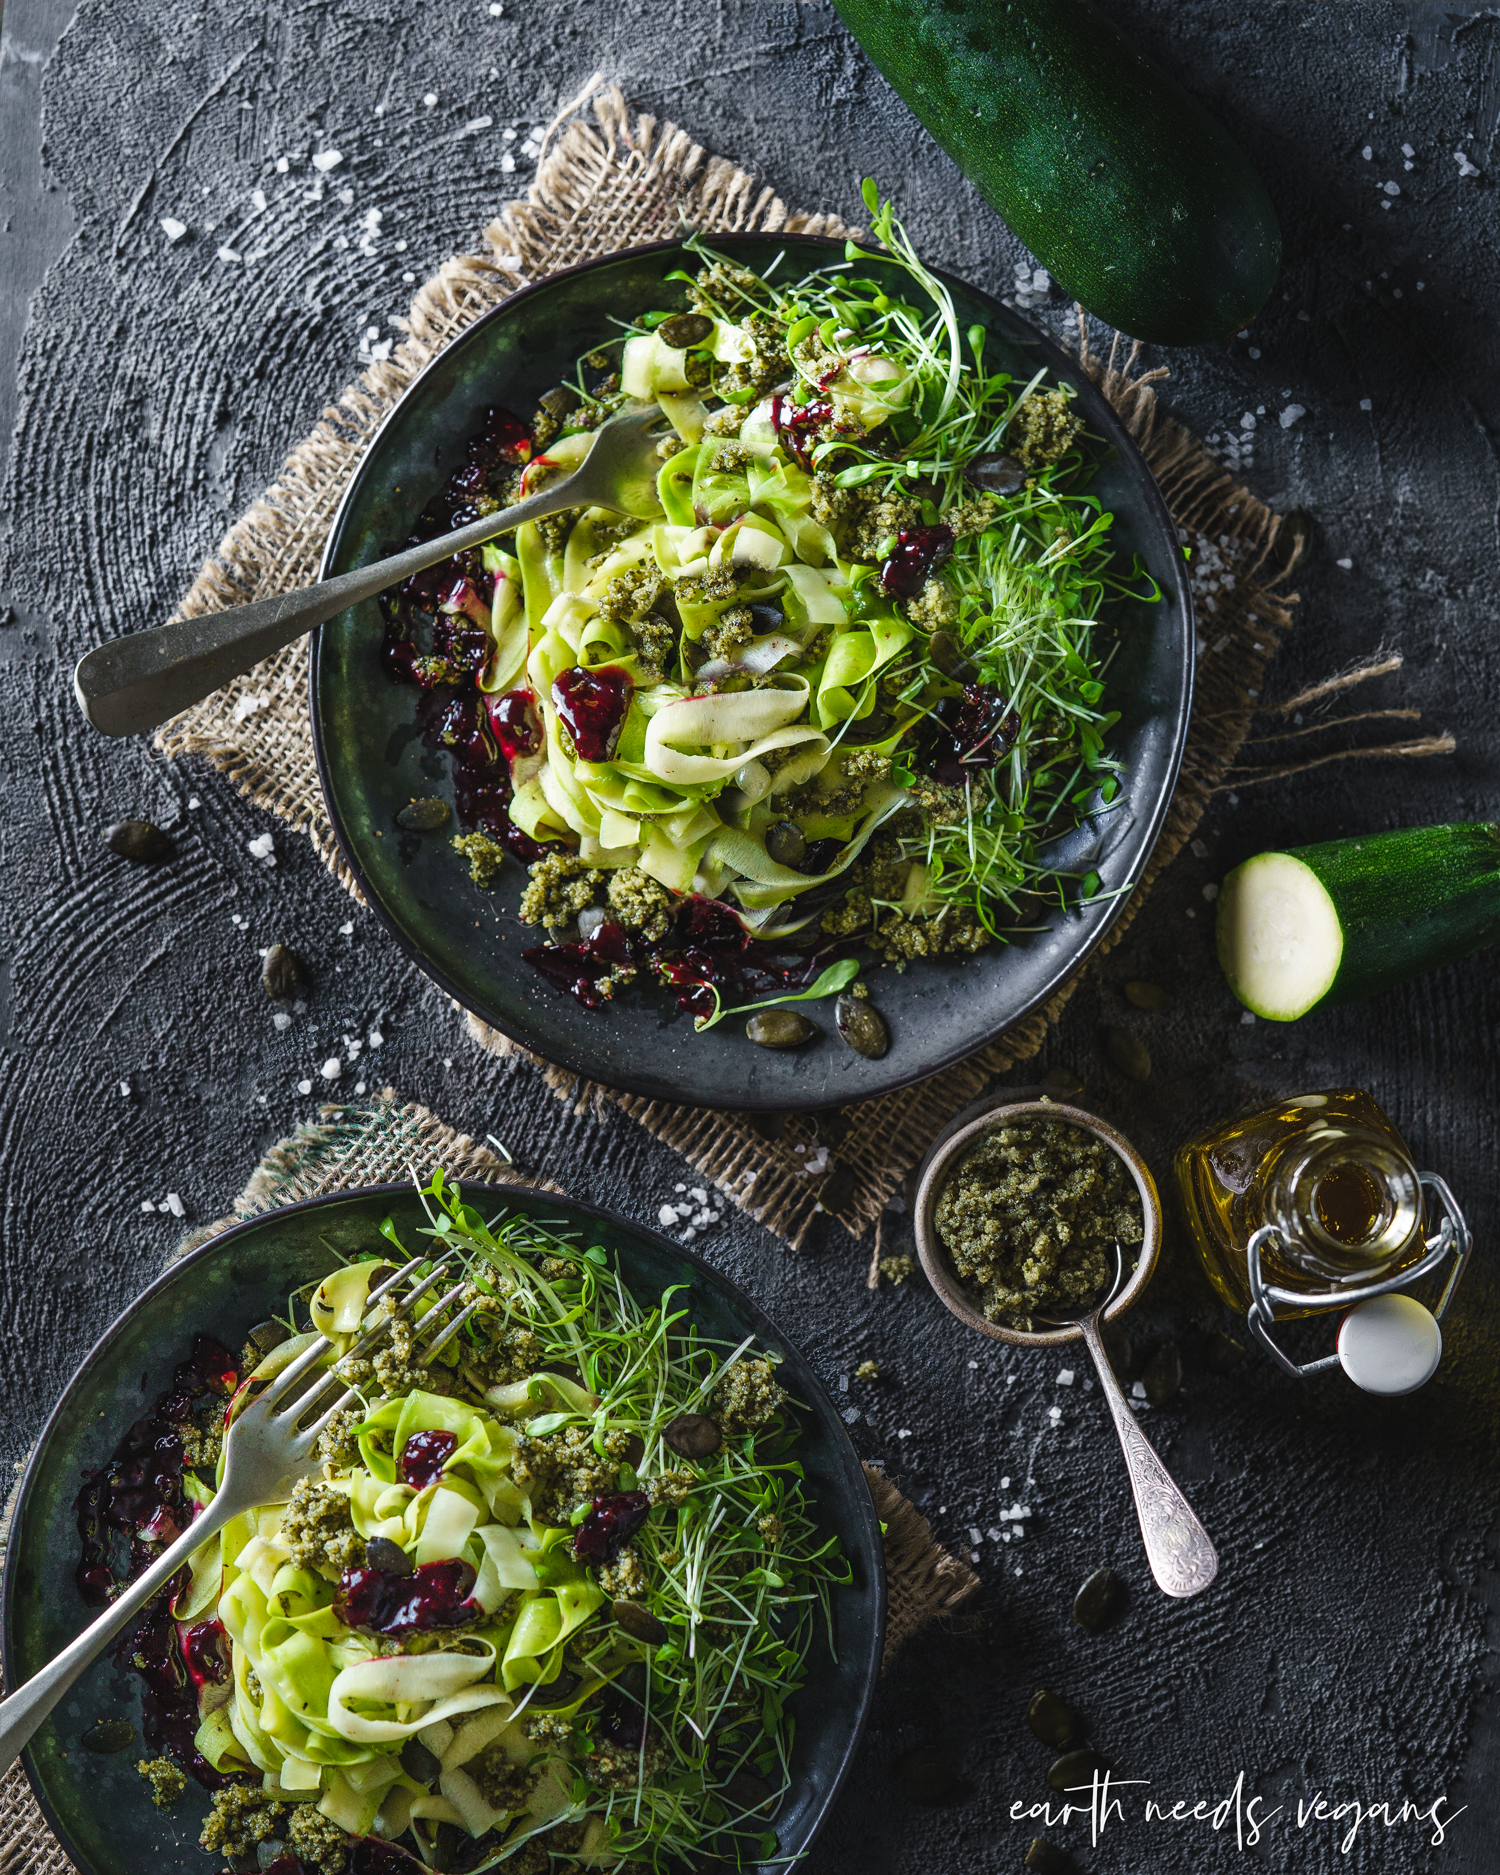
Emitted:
<point x="592" y="706"/>
<point x="797" y="424"/>
<point x="424" y="1456"/>
<point x="514" y="723"/>
<point x="920" y="551"/>
<point x="127" y="1511"/>
<point x="968" y="732"/>
<point x="437" y="638"/>
<point x="706" y="949"/>
<point x="435" y="1595"/>
<point x="613" y="1520"/>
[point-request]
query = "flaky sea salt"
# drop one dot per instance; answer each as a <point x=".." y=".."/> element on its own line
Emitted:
<point x="326" y="160"/>
<point x="1247" y="1020"/>
<point x="1292" y="414"/>
<point x="174" y="1204"/>
<point x="172" y="228"/>
<point x="304" y="1087"/>
<point x="281" y="1020"/>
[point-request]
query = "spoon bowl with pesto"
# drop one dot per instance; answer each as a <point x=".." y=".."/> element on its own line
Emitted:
<point x="1036" y="1223"/>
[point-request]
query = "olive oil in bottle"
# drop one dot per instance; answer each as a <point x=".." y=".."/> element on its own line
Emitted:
<point x="1329" y="1171"/>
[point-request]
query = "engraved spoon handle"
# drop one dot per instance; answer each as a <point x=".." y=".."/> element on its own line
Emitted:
<point x="1177" y="1546"/>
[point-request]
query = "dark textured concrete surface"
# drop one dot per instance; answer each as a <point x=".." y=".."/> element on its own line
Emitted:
<point x="1348" y="1646"/>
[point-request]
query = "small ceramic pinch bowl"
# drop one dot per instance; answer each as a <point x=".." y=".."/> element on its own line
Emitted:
<point x="938" y="1265"/>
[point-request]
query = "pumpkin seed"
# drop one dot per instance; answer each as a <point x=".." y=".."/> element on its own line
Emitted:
<point x="561" y="399"/>
<point x="140" y="841"/>
<point x="639" y="1623"/>
<point x="995" y="474"/>
<point x="684" y="329"/>
<point x="1147" y="995"/>
<point x="1095" y="1601"/>
<point x="267" y="1855"/>
<point x="746" y="1791"/>
<point x="282" y="974"/>
<point x="423" y="814"/>
<point x="786" y="843"/>
<point x="1128" y="1052"/>
<point x="388" y="1557"/>
<point x="1052" y="1720"/>
<point x="418" y="1762"/>
<point x="109" y="1735"/>
<point x="837" y="1188"/>
<point x="927" y="1776"/>
<point x="947" y="654"/>
<point x="1046" y="1858"/>
<point x="1163" y="1375"/>
<point x="1076" y="1769"/>
<point x="1221" y="1352"/>
<point x="861" y="1026"/>
<point x="693" y="1435"/>
<point x="1061" y="1083"/>
<point x="779" y="1028"/>
<point x="563" y="1690"/>
<point x="265" y="1336"/>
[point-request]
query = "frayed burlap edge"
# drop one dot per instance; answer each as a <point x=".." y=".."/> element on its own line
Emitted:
<point x="596" y="190"/>
<point x="347" y="1147"/>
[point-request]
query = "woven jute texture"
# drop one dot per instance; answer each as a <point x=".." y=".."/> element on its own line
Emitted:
<point x="391" y="1140"/>
<point x="600" y="187"/>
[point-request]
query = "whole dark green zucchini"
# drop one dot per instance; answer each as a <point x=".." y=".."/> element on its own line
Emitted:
<point x="1123" y="186"/>
<point x="1327" y="924"/>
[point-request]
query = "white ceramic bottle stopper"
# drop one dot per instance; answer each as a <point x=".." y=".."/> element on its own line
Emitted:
<point x="1390" y="1344"/>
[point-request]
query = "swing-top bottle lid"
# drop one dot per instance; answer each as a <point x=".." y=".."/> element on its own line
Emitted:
<point x="1390" y="1344"/>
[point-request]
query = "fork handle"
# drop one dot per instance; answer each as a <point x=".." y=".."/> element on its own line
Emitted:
<point x="23" y="1712"/>
<point x="131" y="684"/>
<point x="1178" y="1549"/>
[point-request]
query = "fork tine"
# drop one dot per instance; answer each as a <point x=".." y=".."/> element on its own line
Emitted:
<point x="452" y="1329"/>
<point x="325" y="1420"/>
<point x="378" y="1329"/>
<point x="293" y="1371"/>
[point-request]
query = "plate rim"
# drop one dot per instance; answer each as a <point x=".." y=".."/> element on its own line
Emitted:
<point x="623" y="1079"/>
<point x="852" y="1465"/>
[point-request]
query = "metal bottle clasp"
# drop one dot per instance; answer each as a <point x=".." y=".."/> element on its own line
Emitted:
<point x="1451" y="1241"/>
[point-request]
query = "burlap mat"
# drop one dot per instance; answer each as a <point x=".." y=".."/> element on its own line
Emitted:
<point x="393" y="1140"/>
<point x="597" y="190"/>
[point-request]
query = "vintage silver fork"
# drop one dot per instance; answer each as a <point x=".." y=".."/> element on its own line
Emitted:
<point x="266" y="1451"/>
<point x="132" y="683"/>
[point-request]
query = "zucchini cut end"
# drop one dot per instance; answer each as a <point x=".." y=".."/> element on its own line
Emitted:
<point x="1279" y="937"/>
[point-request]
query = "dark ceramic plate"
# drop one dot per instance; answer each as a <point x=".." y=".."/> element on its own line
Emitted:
<point x="99" y="1806"/>
<point x="372" y="761"/>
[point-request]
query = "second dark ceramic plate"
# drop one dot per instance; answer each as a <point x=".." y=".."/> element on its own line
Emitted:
<point x="100" y="1808"/>
<point x="372" y="761"/>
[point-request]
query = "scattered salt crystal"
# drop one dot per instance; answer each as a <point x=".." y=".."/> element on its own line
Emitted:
<point x="477" y="123"/>
<point x="125" y="1089"/>
<point x="247" y="706"/>
<point x="347" y="928"/>
<point x="1407" y="150"/>
<point x="1292" y="414"/>
<point x="281" y="1020"/>
<point x="304" y="1087"/>
<point x="974" y="1364"/>
<point x="507" y="161"/>
<point x="332" y="1068"/>
<point x="408" y="278"/>
<point x="1005" y="1484"/>
<point x="1422" y="285"/>
<point x="1347" y="565"/>
<point x="904" y="1433"/>
<point x="258" y="200"/>
<point x="1465" y="167"/>
<point x="1054" y="1413"/>
<point x="375" y="1038"/>
<point x="228" y="255"/>
<point x="346" y="196"/>
<point x="679" y="1188"/>
<point x="193" y="802"/>
<point x="282" y="166"/>
<point x="1367" y="152"/>
<point x="1367" y="403"/>
<point x="1255" y="351"/>
<point x="1210" y="892"/>
<point x="1191" y="913"/>
<point x="359" y="1087"/>
<point x="1247" y="1020"/>
<point x="497" y="11"/>
<point x="997" y="1536"/>
<point x="1065" y="1377"/>
<point x="1234" y="800"/>
<point x="172" y="228"/>
<point x="1247" y="422"/>
<point x="1138" y="1391"/>
<point x="974" y="1535"/>
<point x="666" y="1216"/>
<point x="1197" y="849"/>
<point x="146" y="1205"/>
<point x="263" y="848"/>
<point x="429" y="100"/>
<point x="851" y="1414"/>
<point x="1408" y="165"/>
<point x="1391" y="188"/>
<point x="174" y="1204"/>
<point x="326" y="160"/>
<point x="843" y="1383"/>
<point x="700" y="1196"/>
<point x="400" y="247"/>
